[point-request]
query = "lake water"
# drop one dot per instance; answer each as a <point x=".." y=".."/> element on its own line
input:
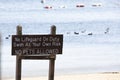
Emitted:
<point x="82" y="53"/>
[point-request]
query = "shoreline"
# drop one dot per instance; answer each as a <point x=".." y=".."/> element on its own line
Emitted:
<point x="92" y="76"/>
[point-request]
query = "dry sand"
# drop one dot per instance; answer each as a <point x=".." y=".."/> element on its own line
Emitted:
<point x="97" y="76"/>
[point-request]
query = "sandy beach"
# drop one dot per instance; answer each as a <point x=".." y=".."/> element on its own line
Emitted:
<point x="94" y="76"/>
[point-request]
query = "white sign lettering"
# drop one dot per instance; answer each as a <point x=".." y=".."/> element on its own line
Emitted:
<point x="37" y="44"/>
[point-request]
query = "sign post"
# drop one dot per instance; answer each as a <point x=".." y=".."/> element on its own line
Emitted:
<point x="36" y="47"/>
<point x="18" y="59"/>
<point x="52" y="61"/>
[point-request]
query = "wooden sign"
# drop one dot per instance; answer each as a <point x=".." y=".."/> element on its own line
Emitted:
<point x="36" y="44"/>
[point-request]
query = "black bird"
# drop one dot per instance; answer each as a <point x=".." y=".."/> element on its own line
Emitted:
<point x="7" y="37"/>
<point x="90" y="33"/>
<point x="76" y="33"/>
<point x="107" y="30"/>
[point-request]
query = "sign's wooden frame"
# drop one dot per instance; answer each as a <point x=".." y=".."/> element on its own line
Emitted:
<point x="50" y="57"/>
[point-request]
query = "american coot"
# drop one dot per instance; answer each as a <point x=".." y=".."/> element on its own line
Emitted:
<point x="90" y="33"/>
<point x="76" y="33"/>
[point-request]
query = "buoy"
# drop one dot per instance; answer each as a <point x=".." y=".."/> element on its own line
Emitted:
<point x="48" y="7"/>
<point x="96" y="4"/>
<point x="80" y="5"/>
